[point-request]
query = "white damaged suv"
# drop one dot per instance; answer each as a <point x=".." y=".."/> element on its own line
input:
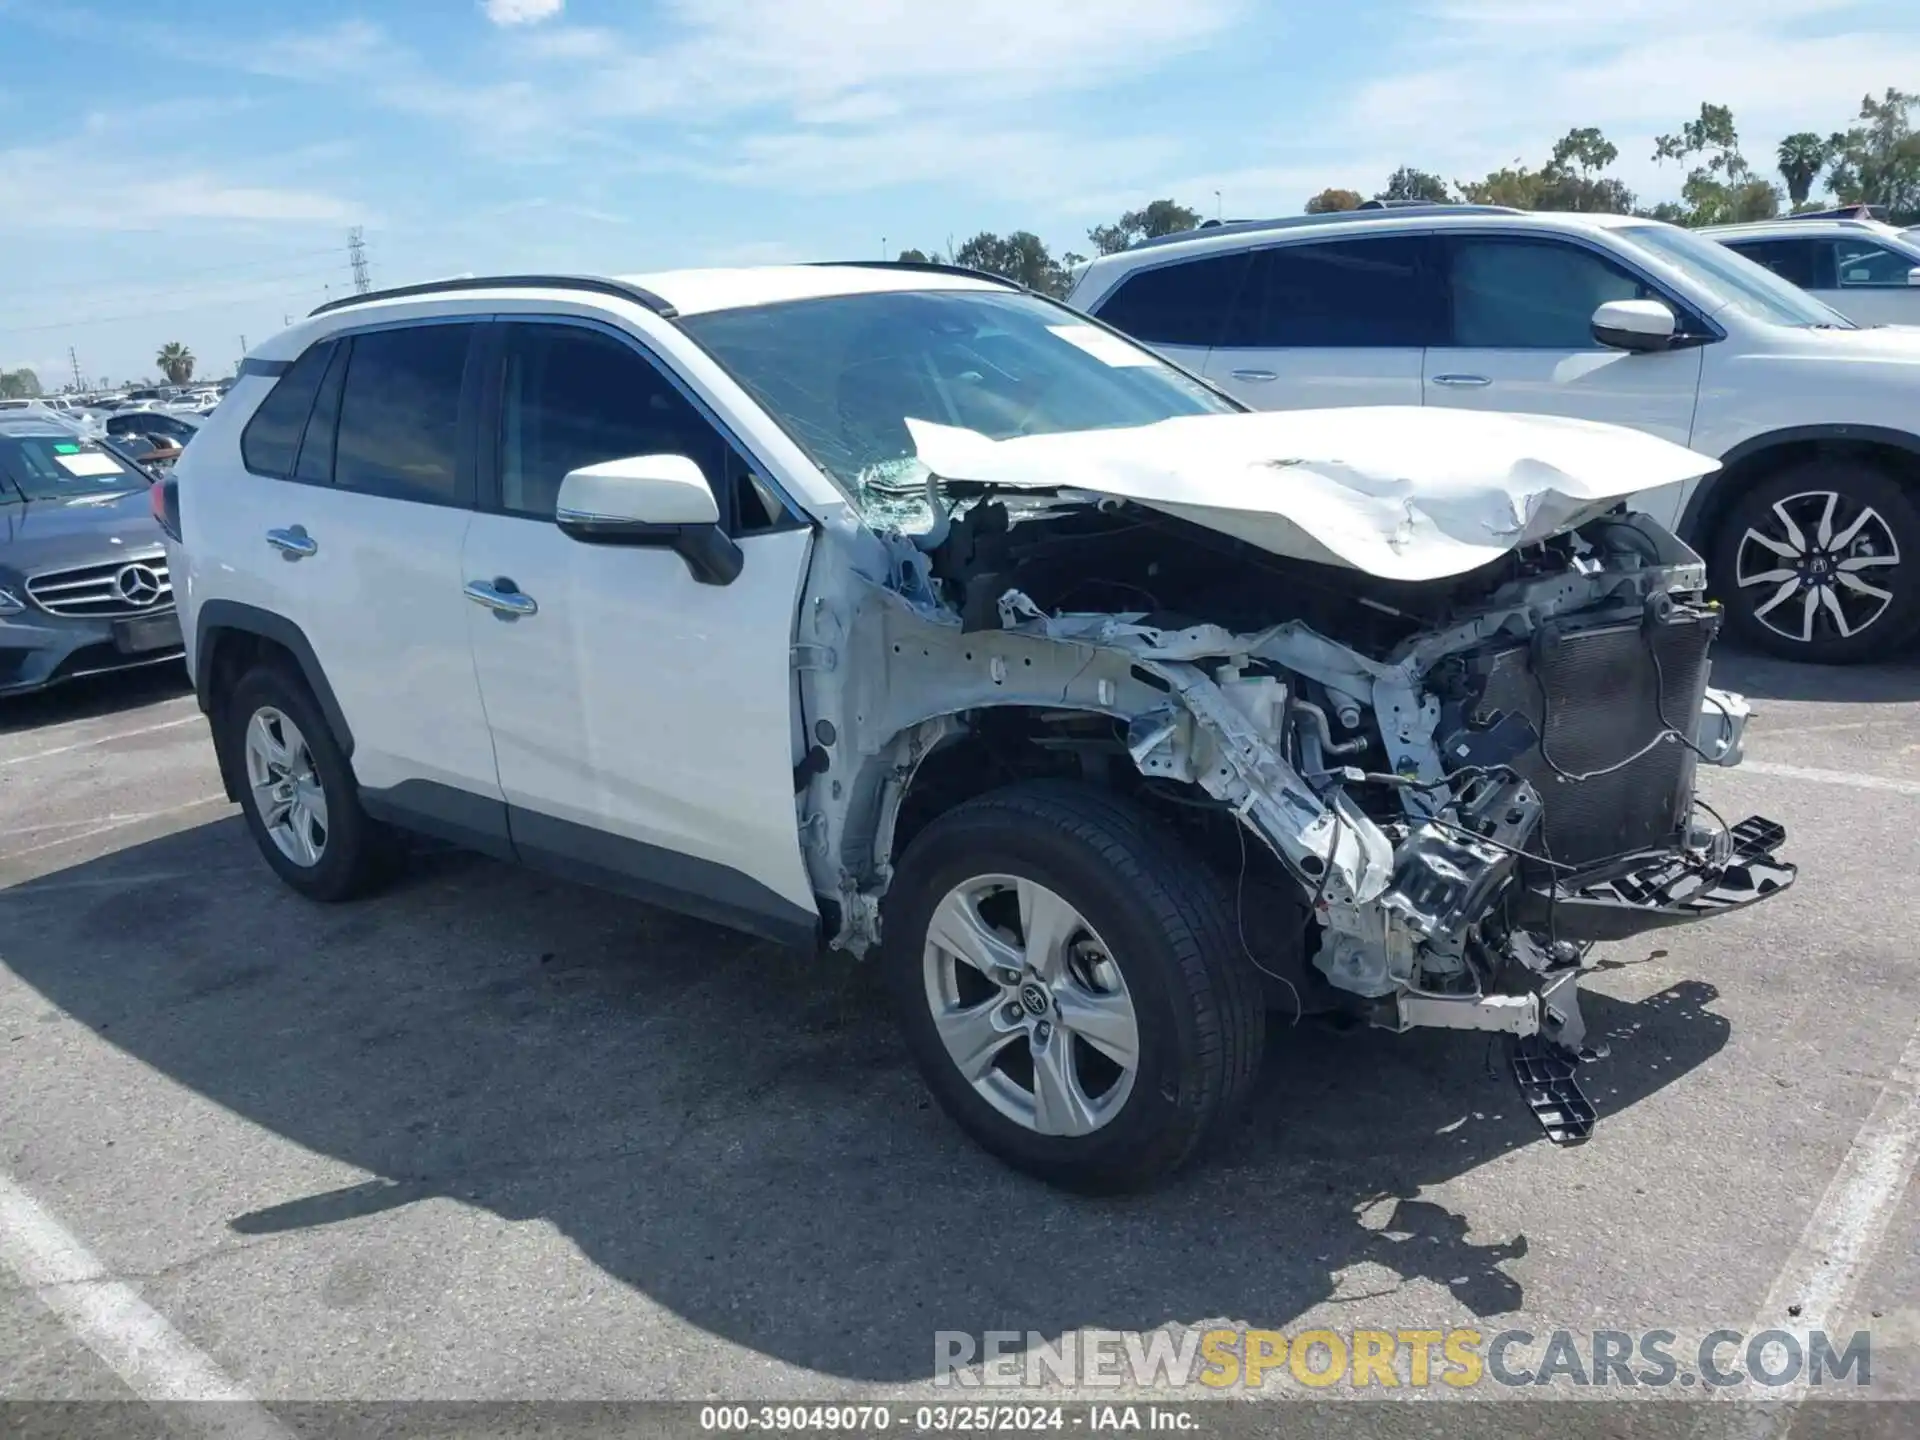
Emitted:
<point x="900" y="609"/>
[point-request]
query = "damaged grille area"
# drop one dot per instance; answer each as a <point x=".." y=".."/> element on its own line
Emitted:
<point x="1599" y="697"/>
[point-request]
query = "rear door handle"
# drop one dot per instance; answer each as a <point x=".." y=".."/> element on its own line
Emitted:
<point x="293" y="542"/>
<point x="1463" y="382"/>
<point x="501" y="596"/>
<point x="1255" y="375"/>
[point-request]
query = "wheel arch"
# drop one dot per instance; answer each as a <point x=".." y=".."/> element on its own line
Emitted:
<point x="229" y="639"/>
<point x="927" y="768"/>
<point x="1753" y="460"/>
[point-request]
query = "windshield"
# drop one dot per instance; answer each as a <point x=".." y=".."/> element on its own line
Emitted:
<point x="1733" y="281"/>
<point x="52" y="467"/>
<point x="842" y="376"/>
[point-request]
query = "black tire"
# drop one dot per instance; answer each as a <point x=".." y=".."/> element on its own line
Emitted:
<point x="1859" y="486"/>
<point x="1169" y="923"/>
<point x="358" y="852"/>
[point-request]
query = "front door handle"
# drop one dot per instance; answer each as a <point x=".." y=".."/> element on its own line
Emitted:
<point x="501" y="596"/>
<point x="1463" y="382"/>
<point x="1255" y="375"/>
<point x="293" y="542"/>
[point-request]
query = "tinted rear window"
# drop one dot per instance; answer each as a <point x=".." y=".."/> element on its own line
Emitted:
<point x="1183" y="304"/>
<point x="1338" y="295"/>
<point x="272" y="438"/>
<point x="400" y="413"/>
<point x="1794" y="260"/>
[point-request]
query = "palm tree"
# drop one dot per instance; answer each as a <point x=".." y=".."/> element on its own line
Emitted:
<point x="1802" y="157"/>
<point x="177" y="361"/>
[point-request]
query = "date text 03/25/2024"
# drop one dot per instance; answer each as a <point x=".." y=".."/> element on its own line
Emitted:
<point x="1098" y="1418"/>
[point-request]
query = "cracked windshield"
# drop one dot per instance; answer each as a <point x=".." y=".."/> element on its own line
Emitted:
<point x="842" y="376"/>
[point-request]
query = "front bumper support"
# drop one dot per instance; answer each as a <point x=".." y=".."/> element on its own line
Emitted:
<point x="1659" y="888"/>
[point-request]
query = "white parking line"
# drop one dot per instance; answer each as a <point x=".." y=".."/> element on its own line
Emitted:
<point x="102" y="740"/>
<point x="117" y="822"/>
<point x="155" y="1360"/>
<point x="1852" y="778"/>
<point x="1839" y="1241"/>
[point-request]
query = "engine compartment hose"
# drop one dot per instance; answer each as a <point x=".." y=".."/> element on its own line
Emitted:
<point x="1324" y="732"/>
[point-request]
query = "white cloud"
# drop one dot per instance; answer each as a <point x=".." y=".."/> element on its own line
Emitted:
<point x="104" y="177"/>
<point x="735" y="56"/>
<point x="522" y="12"/>
<point x="838" y="95"/>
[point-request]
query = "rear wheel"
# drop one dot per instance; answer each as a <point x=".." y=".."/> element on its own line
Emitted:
<point x="1821" y="562"/>
<point x="1070" y="985"/>
<point x="297" y="789"/>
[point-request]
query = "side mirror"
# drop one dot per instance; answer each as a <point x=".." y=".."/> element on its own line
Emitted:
<point x="1637" y="325"/>
<point x="654" y="500"/>
<point x="1913" y="276"/>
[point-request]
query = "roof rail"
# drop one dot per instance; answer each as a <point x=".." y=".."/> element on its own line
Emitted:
<point x="593" y="284"/>
<point x="931" y="267"/>
<point x="1842" y="212"/>
<point x="1369" y="210"/>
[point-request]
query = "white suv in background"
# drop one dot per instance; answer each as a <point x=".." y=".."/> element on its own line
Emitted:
<point x="1811" y="527"/>
<point x="899" y="608"/>
<point x="1868" y="271"/>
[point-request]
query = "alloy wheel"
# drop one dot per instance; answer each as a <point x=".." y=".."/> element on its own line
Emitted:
<point x="1030" y="1005"/>
<point x="287" y="793"/>
<point x="1812" y="560"/>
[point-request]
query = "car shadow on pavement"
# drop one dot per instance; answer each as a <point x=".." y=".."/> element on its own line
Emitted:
<point x="733" y="1129"/>
<point x="93" y="696"/>
<point x="1762" y="677"/>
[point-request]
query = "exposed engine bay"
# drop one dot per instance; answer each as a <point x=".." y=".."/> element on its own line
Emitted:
<point x="1443" y="791"/>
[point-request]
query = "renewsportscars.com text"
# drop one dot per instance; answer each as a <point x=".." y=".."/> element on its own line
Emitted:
<point x="1391" y="1359"/>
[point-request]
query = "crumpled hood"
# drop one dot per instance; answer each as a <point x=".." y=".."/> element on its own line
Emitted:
<point x="1401" y="492"/>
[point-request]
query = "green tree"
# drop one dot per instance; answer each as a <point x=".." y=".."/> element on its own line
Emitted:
<point x="1331" y="199"/>
<point x="177" y="361"/>
<point x="1721" y="187"/>
<point x="21" y="384"/>
<point x="1877" y="162"/>
<point x="913" y="257"/>
<point x="1157" y="217"/>
<point x="1802" y="156"/>
<point x="1570" y="180"/>
<point x="1585" y="150"/>
<point x="1021" y="256"/>
<point x="1409" y="183"/>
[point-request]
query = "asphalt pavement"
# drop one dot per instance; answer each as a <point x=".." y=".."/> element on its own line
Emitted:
<point x="490" y="1136"/>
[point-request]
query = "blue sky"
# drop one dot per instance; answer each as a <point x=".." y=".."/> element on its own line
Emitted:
<point x="188" y="170"/>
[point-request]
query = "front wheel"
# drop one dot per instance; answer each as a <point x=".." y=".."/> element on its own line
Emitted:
<point x="1821" y="562"/>
<point x="1070" y="984"/>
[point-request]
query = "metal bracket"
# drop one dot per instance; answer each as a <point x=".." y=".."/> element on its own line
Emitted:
<point x="1506" y="1014"/>
<point x="814" y="657"/>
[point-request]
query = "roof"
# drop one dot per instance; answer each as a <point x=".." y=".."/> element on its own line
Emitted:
<point x="1342" y="224"/>
<point x="1374" y="213"/>
<point x="26" y="422"/>
<point x="1803" y="226"/>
